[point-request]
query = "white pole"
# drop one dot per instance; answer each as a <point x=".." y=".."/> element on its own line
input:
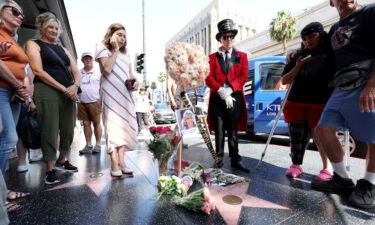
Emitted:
<point x="347" y="150"/>
<point x="144" y="44"/>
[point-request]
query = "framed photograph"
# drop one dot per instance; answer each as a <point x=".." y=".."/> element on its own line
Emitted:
<point x="186" y="122"/>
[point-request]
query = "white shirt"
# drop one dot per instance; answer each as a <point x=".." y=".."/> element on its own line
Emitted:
<point x="222" y="52"/>
<point x="90" y="85"/>
<point x="141" y="103"/>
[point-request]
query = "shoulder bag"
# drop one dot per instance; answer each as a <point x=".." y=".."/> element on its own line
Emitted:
<point x="67" y="69"/>
<point x="353" y="75"/>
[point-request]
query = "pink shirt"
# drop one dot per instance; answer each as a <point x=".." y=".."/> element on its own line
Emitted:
<point x="90" y="85"/>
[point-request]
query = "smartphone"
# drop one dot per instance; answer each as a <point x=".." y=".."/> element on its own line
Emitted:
<point x="307" y="57"/>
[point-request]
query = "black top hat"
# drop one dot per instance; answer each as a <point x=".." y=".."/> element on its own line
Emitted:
<point x="225" y="26"/>
<point x="314" y="27"/>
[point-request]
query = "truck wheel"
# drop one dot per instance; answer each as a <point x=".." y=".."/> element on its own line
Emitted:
<point x="250" y="134"/>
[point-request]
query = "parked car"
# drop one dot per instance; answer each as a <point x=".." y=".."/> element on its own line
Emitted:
<point x="164" y="114"/>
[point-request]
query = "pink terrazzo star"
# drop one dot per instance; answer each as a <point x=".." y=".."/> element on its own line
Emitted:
<point x="231" y="213"/>
<point x="95" y="184"/>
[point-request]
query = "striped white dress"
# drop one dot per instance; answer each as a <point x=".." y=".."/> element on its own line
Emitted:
<point x="119" y="117"/>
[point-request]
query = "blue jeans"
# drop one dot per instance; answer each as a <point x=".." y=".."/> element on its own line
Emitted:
<point x="9" y="113"/>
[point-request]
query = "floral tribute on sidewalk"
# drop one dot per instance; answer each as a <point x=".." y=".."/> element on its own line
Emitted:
<point x="164" y="141"/>
<point x="199" y="201"/>
<point x="188" y="66"/>
<point x="205" y="178"/>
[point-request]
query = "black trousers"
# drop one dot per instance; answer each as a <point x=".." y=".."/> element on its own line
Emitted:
<point x="226" y="120"/>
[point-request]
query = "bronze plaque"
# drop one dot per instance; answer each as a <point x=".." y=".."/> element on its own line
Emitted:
<point x="232" y="199"/>
<point x="96" y="175"/>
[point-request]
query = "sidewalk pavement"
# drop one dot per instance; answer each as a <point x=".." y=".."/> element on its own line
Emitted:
<point x="270" y="197"/>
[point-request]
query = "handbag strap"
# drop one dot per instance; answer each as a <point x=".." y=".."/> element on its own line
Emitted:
<point x="61" y="62"/>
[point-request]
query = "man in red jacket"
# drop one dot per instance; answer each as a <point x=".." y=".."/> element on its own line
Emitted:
<point x="227" y="108"/>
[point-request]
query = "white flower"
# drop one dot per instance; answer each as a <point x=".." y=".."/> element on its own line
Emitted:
<point x="187" y="64"/>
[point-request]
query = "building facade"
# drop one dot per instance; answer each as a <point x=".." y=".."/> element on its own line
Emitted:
<point x="261" y="44"/>
<point x="202" y="29"/>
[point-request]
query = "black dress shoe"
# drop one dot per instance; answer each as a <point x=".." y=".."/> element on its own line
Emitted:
<point x="238" y="166"/>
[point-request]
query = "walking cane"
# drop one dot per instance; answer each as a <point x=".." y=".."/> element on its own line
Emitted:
<point x="274" y="125"/>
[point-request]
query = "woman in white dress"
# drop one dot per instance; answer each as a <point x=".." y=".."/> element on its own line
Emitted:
<point x="119" y="117"/>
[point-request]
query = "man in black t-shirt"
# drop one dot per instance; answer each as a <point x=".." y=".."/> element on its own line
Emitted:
<point x="353" y="41"/>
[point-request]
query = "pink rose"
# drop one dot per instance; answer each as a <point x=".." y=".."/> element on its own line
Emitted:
<point x="206" y="208"/>
<point x="212" y="206"/>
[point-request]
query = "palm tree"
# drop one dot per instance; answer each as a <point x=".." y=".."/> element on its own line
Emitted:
<point x="282" y="27"/>
<point x="162" y="78"/>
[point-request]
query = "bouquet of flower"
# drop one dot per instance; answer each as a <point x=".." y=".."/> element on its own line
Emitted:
<point x="162" y="144"/>
<point x="187" y="64"/>
<point x="174" y="185"/>
<point x="218" y="177"/>
<point x="195" y="170"/>
<point x="170" y="185"/>
<point x="198" y="201"/>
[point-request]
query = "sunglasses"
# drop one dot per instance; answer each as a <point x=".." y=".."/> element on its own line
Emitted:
<point x="226" y="37"/>
<point x="15" y="11"/>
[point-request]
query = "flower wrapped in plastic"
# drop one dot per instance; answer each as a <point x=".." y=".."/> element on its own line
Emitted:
<point x="170" y="185"/>
<point x="198" y="201"/>
<point x="162" y="145"/>
<point x="187" y="64"/>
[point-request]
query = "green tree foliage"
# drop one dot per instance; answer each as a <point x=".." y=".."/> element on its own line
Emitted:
<point x="282" y="27"/>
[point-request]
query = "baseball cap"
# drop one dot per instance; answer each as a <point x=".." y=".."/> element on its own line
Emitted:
<point x="312" y="28"/>
<point x="86" y="54"/>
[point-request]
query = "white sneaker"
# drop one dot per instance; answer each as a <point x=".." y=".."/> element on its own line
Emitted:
<point x="22" y="168"/>
<point x="116" y="173"/>
<point x="126" y="170"/>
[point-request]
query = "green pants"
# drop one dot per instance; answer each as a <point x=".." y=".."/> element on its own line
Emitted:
<point x="56" y="114"/>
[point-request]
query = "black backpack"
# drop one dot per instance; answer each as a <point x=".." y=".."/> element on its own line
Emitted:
<point x="30" y="131"/>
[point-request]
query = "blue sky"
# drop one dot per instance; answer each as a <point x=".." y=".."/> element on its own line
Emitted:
<point x="89" y="20"/>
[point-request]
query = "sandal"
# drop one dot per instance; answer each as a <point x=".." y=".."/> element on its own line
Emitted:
<point x="13" y="195"/>
<point x="11" y="207"/>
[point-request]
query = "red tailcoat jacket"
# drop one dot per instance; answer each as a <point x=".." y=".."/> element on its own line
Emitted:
<point x="237" y="75"/>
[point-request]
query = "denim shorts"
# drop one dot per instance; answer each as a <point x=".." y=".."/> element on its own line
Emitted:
<point x="342" y="112"/>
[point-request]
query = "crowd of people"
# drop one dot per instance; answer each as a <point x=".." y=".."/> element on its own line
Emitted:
<point x="45" y="77"/>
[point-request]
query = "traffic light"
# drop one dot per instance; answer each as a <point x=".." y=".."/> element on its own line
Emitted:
<point x="140" y="62"/>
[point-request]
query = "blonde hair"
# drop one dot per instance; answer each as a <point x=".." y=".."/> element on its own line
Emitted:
<point x="2" y="6"/>
<point x="43" y="20"/>
<point x="110" y="31"/>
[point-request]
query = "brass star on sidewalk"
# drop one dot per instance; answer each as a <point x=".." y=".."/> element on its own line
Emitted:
<point x="231" y="213"/>
<point x="95" y="183"/>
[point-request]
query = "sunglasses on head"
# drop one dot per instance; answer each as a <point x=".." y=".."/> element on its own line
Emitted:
<point x="226" y="37"/>
<point x="15" y="11"/>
